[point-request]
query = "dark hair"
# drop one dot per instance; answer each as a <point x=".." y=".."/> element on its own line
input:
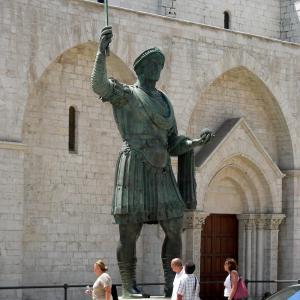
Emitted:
<point x="231" y="262"/>
<point x="189" y="267"/>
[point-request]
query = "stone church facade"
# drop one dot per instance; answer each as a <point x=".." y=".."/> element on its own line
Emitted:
<point x="242" y="82"/>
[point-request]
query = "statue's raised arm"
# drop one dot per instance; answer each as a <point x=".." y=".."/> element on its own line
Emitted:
<point x="99" y="81"/>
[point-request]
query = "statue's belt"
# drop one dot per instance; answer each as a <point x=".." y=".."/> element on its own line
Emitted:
<point x="153" y="149"/>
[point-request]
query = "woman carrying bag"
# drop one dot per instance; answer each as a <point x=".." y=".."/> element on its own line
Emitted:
<point x="235" y="287"/>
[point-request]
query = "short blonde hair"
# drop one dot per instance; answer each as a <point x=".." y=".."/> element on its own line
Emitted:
<point x="177" y="262"/>
<point x="102" y="265"/>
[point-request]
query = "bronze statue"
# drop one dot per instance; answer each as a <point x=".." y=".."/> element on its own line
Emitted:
<point x="145" y="188"/>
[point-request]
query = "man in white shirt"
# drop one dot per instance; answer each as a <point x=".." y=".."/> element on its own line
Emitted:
<point x="177" y="267"/>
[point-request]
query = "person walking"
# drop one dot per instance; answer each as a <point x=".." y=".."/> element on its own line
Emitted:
<point x="177" y="267"/>
<point x="231" y="281"/>
<point x="102" y="287"/>
<point x="189" y="287"/>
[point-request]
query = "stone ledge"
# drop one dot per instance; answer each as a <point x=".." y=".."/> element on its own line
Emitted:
<point x="13" y="146"/>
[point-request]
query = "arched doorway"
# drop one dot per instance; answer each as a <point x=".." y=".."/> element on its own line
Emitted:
<point x="219" y="240"/>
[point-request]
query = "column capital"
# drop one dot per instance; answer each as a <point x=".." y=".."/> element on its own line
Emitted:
<point x="261" y="221"/>
<point x="194" y="219"/>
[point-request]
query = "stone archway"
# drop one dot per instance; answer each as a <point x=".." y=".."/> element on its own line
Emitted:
<point x="242" y="179"/>
<point x="237" y="86"/>
<point x="245" y="192"/>
<point x="68" y="195"/>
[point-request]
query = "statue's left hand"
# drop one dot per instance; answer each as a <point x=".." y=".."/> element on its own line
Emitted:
<point x="205" y="136"/>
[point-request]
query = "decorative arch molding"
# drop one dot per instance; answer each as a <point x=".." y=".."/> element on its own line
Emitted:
<point x="238" y="58"/>
<point x="242" y="183"/>
<point x="68" y="38"/>
<point x="253" y="186"/>
<point x="236" y="147"/>
<point x="115" y="67"/>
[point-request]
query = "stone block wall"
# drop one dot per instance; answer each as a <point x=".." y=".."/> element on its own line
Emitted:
<point x="290" y="20"/>
<point x="256" y="17"/>
<point x="66" y="206"/>
<point x="11" y="217"/>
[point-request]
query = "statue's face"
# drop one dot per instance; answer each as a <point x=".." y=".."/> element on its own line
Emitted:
<point x="152" y="67"/>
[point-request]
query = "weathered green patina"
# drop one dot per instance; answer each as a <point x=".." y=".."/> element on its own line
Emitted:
<point x="145" y="188"/>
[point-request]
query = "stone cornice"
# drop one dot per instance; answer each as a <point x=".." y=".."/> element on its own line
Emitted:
<point x="291" y="173"/>
<point x="12" y="146"/>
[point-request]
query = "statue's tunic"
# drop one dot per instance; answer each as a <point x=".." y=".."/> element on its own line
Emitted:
<point x="145" y="187"/>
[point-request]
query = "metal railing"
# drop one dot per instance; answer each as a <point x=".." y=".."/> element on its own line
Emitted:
<point x="67" y="286"/>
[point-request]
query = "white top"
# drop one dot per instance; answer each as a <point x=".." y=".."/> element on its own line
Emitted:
<point x="189" y="287"/>
<point x="176" y="282"/>
<point x="227" y="285"/>
<point x="101" y="282"/>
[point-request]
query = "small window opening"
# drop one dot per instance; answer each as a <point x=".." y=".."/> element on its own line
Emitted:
<point x="72" y="129"/>
<point x="226" y="20"/>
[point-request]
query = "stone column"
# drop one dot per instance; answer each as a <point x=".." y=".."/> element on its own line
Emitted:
<point x="192" y="227"/>
<point x="271" y="227"/>
<point x="247" y="248"/>
<point x="260" y="238"/>
<point x="259" y="258"/>
<point x="289" y="235"/>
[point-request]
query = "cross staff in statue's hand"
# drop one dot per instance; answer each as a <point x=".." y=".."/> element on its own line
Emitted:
<point x="106" y="33"/>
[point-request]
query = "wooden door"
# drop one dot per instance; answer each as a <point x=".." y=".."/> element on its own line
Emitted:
<point x="219" y="240"/>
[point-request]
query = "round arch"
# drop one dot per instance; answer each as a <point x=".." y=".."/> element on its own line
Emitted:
<point x="232" y="91"/>
<point x="240" y="59"/>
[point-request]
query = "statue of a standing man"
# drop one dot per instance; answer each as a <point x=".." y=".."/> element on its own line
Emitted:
<point x="145" y="188"/>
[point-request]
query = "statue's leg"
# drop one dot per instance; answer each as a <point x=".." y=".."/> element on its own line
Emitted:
<point x="126" y="255"/>
<point x="172" y="247"/>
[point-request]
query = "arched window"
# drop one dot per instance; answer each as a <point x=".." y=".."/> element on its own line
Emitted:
<point x="226" y="20"/>
<point x="72" y="129"/>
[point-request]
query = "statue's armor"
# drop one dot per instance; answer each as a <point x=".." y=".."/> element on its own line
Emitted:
<point x="145" y="186"/>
